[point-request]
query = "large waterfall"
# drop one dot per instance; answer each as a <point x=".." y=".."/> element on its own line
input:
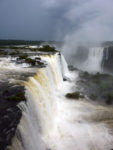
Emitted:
<point x="94" y="60"/>
<point x="52" y="122"/>
<point x="88" y="58"/>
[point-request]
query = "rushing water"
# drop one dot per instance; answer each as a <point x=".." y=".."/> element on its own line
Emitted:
<point x="9" y="63"/>
<point x="88" y="58"/>
<point x="94" y="61"/>
<point x="50" y="121"/>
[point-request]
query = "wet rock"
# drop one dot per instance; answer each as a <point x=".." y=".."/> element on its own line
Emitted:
<point x="8" y="124"/>
<point x="10" y="114"/>
<point x="74" y="95"/>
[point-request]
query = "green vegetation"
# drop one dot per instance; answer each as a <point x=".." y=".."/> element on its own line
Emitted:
<point x="109" y="97"/>
<point x="18" y="97"/>
<point x="6" y="91"/>
<point x="23" y="56"/>
<point x="75" y="95"/>
<point x="38" y="58"/>
<point x="3" y="53"/>
<point x="30" y="61"/>
<point x="26" y="42"/>
<point x="16" y="49"/>
<point x="19" y="42"/>
<point x="14" y="53"/>
<point x="47" y="48"/>
<point x="33" y="62"/>
<point x="93" y="96"/>
<point x="86" y="74"/>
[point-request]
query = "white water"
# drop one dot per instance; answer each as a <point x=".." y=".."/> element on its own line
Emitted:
<point x="6" y="63"/>
<point x="106" y="54"/>
<point x="50" y="121"/>
<point x="94" y="61"/>
<point x="64" y="66"/>
<point x="65" y="70"/>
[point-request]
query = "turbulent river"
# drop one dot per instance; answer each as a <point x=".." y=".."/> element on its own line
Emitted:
<point x="50" y="121"/>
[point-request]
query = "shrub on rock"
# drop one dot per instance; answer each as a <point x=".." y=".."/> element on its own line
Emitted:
<point x="18" y="97"/>
<point x="74" y="95"/>
<point x="47" y="48"/>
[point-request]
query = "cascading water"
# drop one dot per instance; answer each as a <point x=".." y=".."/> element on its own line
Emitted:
<point x="94" y="61"/>
<point x="107" y="54"/>
<point x="65" y="71"/>
<point x="64" y="66"/>
<point x="9" y="63"/>
<point x="50" y="121"/>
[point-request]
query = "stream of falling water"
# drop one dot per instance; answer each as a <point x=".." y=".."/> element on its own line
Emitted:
<point x="52" y="122"/>
<point x="94" y="61"/>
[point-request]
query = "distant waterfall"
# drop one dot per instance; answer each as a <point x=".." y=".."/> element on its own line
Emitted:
<point x="94" y="61"/>
<point x="65" y="69"/>
<point x="107" y="54"/>
<point x="52" y="122"/>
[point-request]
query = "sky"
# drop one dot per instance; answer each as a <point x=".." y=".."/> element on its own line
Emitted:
<point x="68" y="20"/>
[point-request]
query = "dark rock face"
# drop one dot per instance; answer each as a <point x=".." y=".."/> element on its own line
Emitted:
<point x="107" y="62"/>
<point x="9" y="119"/>
<point x="74" y="95"/>
<point x="8" y="91"/>
<point x="10" y="114"/>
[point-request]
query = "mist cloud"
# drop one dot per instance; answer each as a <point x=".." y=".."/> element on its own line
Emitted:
<point x="91" y="21"/>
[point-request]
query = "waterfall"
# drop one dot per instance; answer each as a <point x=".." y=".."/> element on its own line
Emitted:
<point x="40" y="113"/>
<point x="64" y="66"/>
<point x="50" y="121"/>
<point x="65" y="71"/>
<point x="94" y="61"/>
<point x="107" y="54"/>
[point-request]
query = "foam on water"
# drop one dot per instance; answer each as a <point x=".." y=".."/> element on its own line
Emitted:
<point x="10" y="63"/>
<point x="50" y="121"/>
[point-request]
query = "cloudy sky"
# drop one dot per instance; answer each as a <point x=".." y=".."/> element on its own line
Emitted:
<point x="56" y="19"/>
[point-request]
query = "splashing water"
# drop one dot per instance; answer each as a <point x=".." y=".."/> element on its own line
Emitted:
<point x="65" y="69"/>
<point x="50" y="121"/>
<point x="6" y="63"/>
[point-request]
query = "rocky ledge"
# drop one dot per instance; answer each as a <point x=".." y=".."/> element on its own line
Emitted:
<point x="16" y="65"/>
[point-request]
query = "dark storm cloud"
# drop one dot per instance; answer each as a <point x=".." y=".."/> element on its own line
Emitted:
<point x="31" y="19"/>
<point x="25" y="19"/>
<point x="56" y="19"/>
